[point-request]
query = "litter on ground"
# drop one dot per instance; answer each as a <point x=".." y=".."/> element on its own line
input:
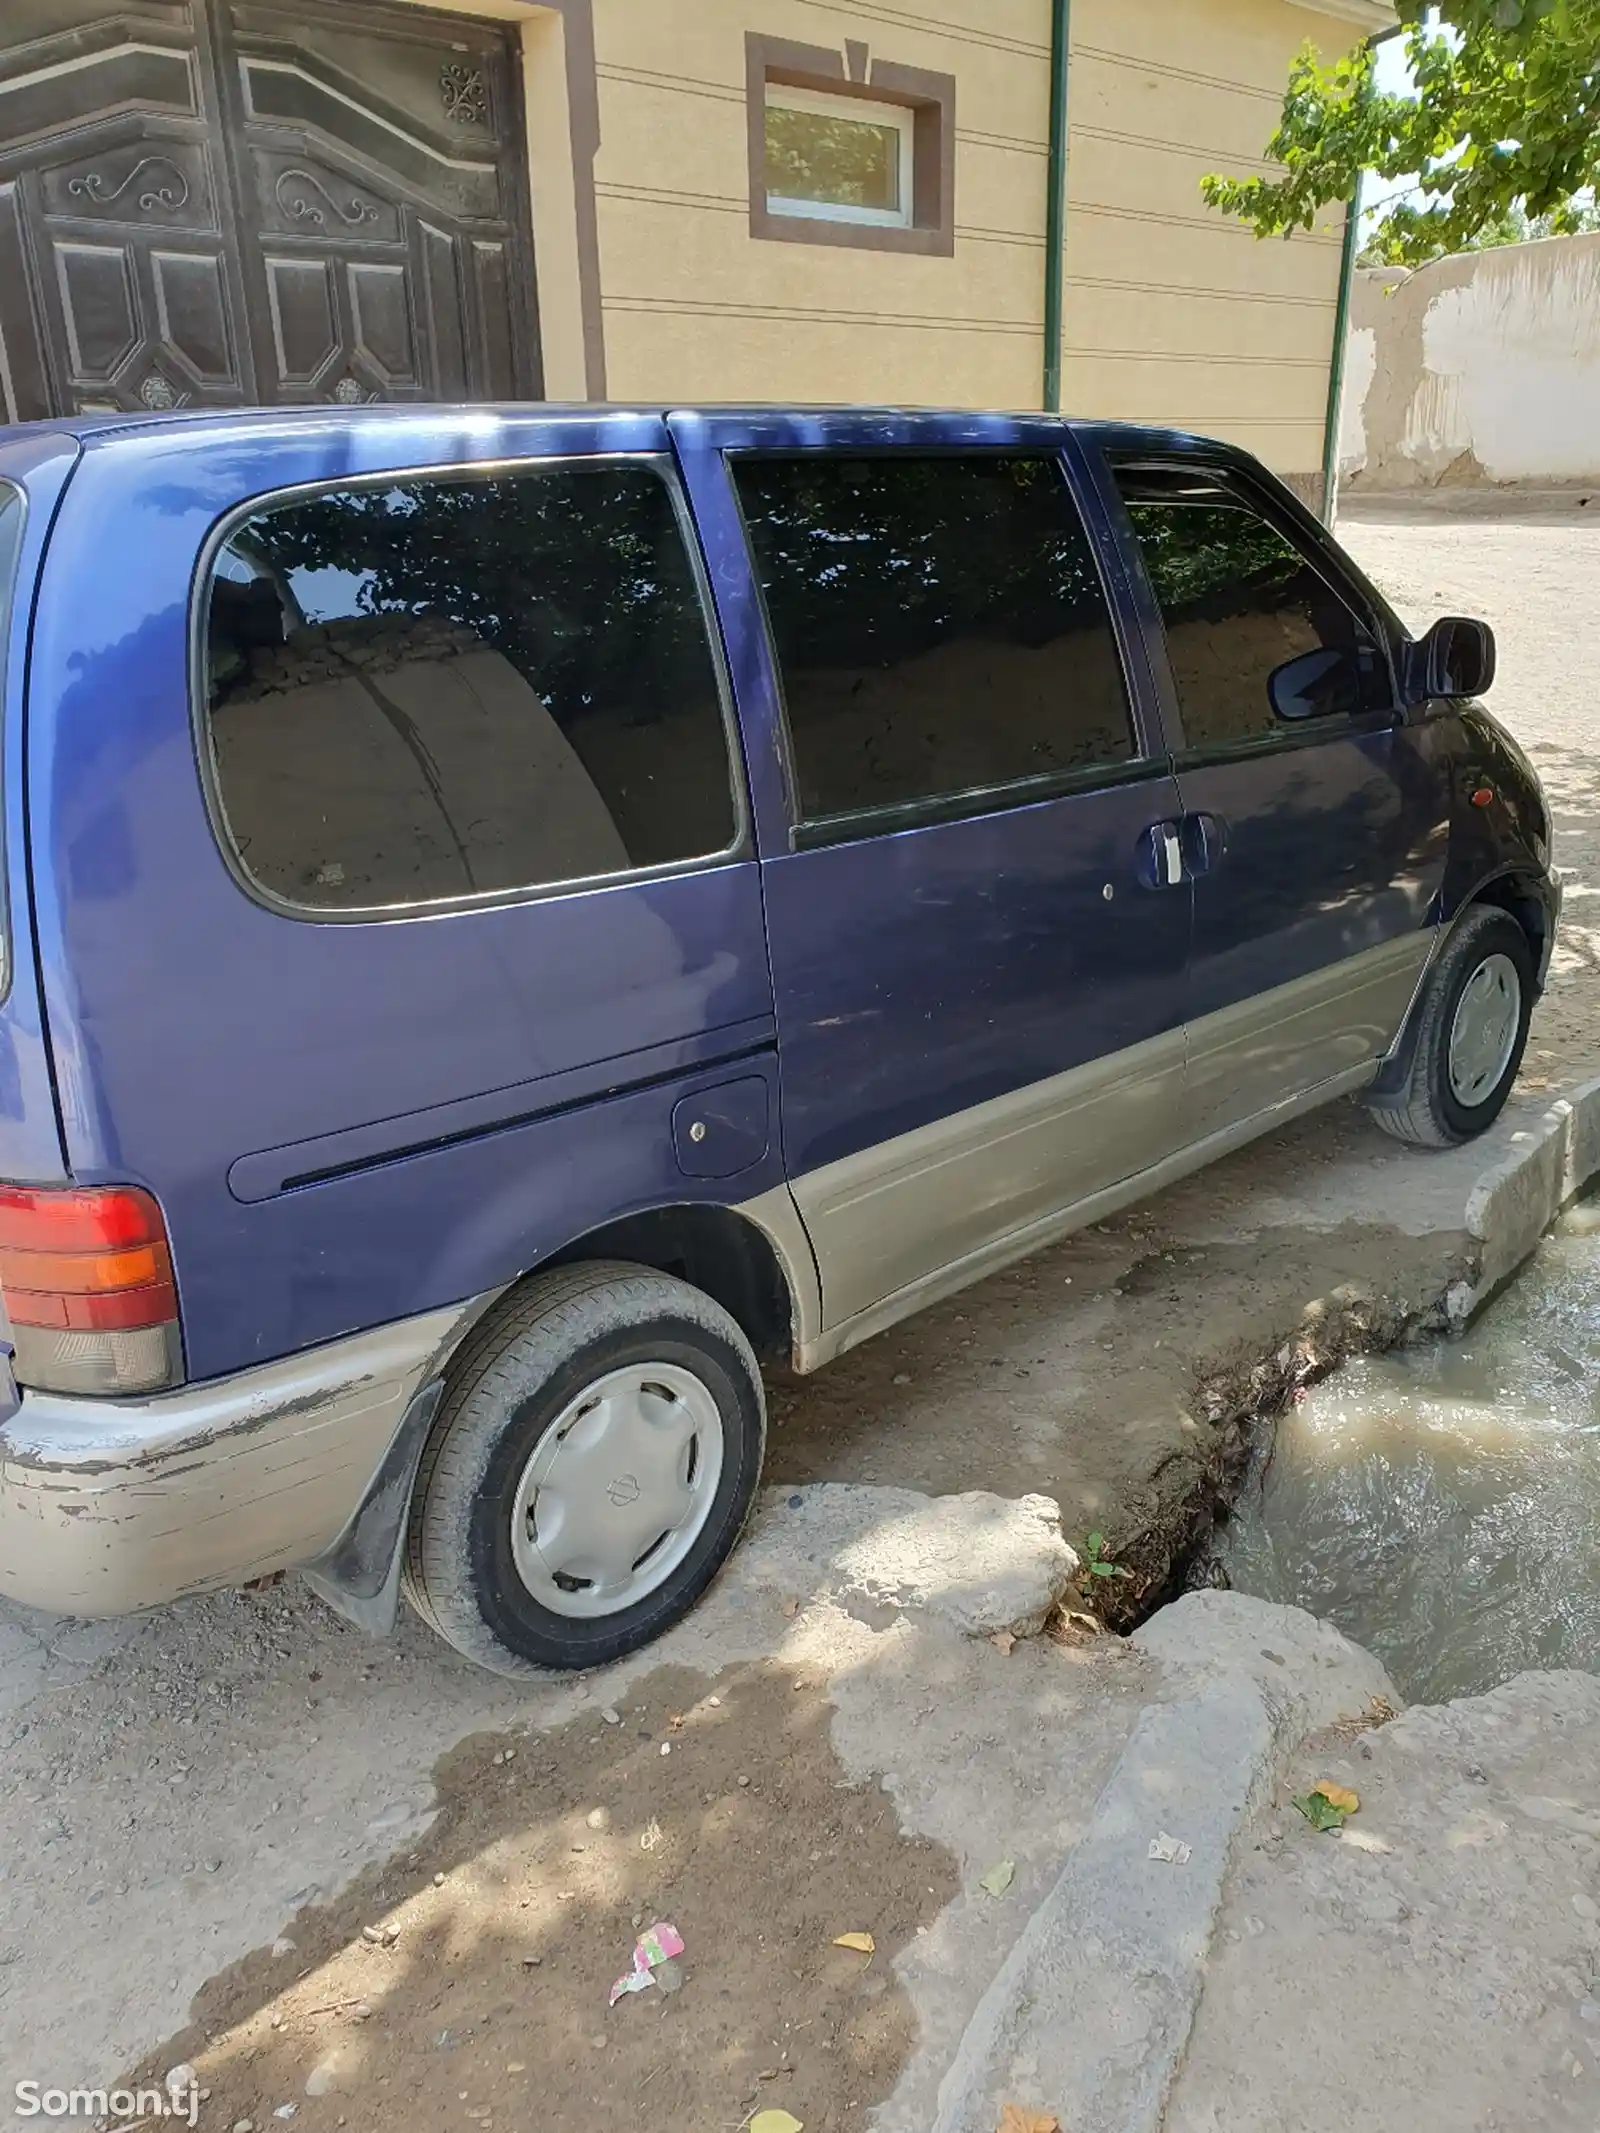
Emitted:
<point x="659" y="1943"/>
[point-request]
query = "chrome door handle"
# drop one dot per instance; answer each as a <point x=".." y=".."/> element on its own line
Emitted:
<point x="1171" y="854"/>
<point x="1161" y="864"/>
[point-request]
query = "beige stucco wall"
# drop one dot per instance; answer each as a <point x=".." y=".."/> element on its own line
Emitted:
<point x="1482" y="368"/>
<point x="696" y="307"/>
<point x="1172" y="313"/>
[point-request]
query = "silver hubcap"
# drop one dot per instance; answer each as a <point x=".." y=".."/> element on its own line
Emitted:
<point x="617" y="1490"/>
<point x="1484" y="1032"/>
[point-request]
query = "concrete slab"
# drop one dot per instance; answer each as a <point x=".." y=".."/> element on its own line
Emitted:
<point x="1439" y="1964"/>
<point x="1090" y="2013"/>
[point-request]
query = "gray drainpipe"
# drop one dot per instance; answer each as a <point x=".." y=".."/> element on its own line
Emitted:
<point x="1055" y="223"/>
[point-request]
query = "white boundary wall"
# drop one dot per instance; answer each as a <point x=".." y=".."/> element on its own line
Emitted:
<point x="1483" y="368"/>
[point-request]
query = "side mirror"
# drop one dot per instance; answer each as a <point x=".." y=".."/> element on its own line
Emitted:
<point x="1456" y="658"/>
<point x="1310" y="686"/>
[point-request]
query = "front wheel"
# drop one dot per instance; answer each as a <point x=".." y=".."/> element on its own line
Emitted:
<point x="594" y="1459"/>
<point x="1472" y="1024"/>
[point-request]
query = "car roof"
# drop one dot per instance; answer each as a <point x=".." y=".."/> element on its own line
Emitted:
<point x="102" y="428"/>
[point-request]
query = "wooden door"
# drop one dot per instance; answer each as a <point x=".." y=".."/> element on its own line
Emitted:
<point x="209" y="202"/>
<point x="118" y="278"/>
<point x="378" y="159"/>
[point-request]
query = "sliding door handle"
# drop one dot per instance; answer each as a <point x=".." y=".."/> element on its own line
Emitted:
<point x="1161" y="856"/>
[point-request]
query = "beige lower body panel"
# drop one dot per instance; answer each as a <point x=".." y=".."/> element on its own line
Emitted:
<point x="1004" y="1251"/>
<point x="893" y="1216"/>
<point x="1243" y="1059"/>
<point x="907" y="1223"/>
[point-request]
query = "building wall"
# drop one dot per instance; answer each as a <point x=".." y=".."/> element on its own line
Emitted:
<point x="695" y="307"/>
<point x="1482" y="368"/>
<point x="1172" y="314"/>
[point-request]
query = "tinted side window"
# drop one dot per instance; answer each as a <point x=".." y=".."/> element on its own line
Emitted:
<point x="10" y="547"/>
<point x="939" y="625"/>
<point x="446" y="686"/>
<point x="1240" y="601"/>
<point x="12" y="512"/>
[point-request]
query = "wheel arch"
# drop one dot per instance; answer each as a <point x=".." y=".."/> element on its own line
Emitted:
<point x="1513" y="890"/>
<point x="755" y="1260"/>
<point x="1521" y="894"/>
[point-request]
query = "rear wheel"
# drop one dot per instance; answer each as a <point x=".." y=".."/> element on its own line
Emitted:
<point x="1472" y="1024"/>
<point x="594" y="1459"/>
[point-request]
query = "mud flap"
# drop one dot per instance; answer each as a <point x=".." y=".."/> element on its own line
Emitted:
<point x="359" y="1575"/>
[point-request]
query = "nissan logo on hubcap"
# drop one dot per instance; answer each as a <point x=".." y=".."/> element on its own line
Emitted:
<point x="624" y="1490"/>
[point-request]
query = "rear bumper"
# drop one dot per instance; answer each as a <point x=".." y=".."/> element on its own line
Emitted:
<point x="107" y="1506"/>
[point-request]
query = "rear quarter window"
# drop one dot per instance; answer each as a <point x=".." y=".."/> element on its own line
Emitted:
<point x="13" y="511"/>
<point x="10" y="550"/>
<point x="445" y="686"/>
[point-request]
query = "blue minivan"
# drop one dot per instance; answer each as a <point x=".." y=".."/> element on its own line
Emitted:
<point x="515" y="916"/>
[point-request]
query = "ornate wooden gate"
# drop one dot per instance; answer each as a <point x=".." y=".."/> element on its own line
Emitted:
<point x="207" y="202"/>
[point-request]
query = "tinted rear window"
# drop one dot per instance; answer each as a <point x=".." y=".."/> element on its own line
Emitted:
<point x="12" y="513"/>
<point x="11" y="521"/>
<point x="10" y="549"/>
<point x="448" y="686"/>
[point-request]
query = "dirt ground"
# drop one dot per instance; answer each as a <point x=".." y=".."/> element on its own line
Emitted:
<point x="183" y="1788"/>
<point x="250" y="1771"/>
<point x="521" y="1908"/>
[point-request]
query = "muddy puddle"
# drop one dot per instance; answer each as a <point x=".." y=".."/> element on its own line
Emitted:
<point x="1441" y="1504"/>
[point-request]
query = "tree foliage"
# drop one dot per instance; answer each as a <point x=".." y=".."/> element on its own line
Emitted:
<point x="1513" y="225"/>
<point x="1505" y="118"/>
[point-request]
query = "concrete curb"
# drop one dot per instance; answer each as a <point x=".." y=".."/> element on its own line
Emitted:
<point x="1089" y="2014"/>
<point x="1512" y="1205"/>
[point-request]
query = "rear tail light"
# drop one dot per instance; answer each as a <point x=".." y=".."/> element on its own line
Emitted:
<point x="87" y="1284"/>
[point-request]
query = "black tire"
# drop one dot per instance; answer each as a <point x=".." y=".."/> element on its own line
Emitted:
<point x="1428" y="1112"/>
<point x="528" y="1362"/>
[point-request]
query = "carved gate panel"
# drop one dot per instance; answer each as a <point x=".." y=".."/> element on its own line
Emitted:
<point x="218" y="202"/>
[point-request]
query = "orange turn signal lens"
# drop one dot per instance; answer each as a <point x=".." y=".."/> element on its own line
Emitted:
<point x="85" y="1261"/>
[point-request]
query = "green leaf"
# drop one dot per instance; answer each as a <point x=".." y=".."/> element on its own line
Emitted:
<point x="1320" y="1813"/>
<point x="1104" y="1570"/>
<point x="1095" y="1543"/>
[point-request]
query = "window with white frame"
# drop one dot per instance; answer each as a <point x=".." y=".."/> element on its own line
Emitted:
<point x="839" y="158"/>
